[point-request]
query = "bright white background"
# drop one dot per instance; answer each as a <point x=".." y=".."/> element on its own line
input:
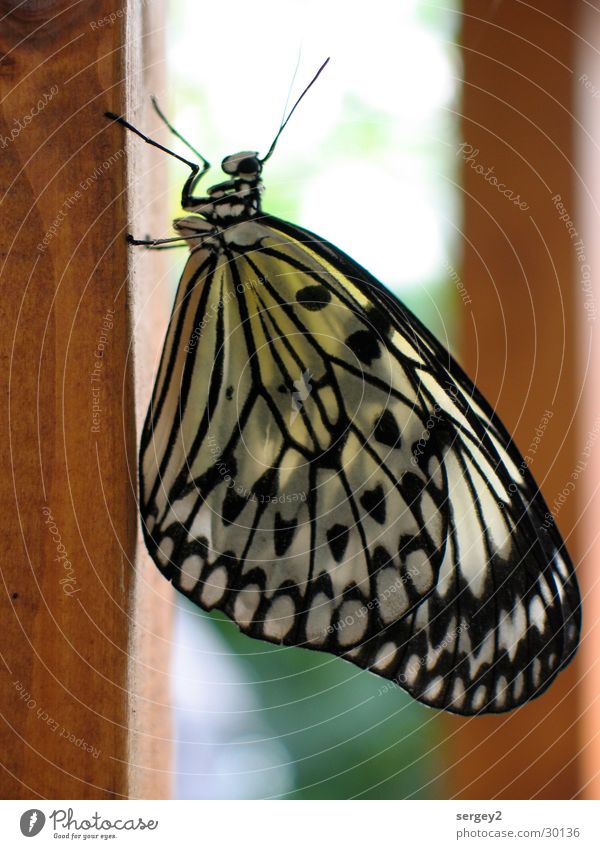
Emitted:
<point x="368" y="162"/>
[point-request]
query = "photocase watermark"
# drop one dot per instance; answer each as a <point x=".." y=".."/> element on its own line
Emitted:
<point x="32" y="822"/>
<point x="244" y="492"/>
<point x="25" y="121"/>
<point x="460" y="287"/>
<point x="569" y="487"/>
<point x="589" y="303"/>
<point x="51" y="723"/>
<point x="95" y="377"/>
<point x="470" y="154"/>
<point x="215" y="308"/>
<point x="68" y="581"/>
<point x="303" y="390"/>
<point x="589" y="85"/>
<point x="66" y="820"/>
<point x="76" y="196"/>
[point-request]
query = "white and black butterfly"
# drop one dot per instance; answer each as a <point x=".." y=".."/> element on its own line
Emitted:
<point x="317" y="466"/>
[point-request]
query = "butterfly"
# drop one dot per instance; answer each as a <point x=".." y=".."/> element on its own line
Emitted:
<point x="316" y="465"/>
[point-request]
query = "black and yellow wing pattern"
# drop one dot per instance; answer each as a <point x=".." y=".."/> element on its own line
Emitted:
<point x="317" y="466"/>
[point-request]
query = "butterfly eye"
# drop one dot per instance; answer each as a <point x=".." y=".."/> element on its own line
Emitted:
<point x="246" y="164"/>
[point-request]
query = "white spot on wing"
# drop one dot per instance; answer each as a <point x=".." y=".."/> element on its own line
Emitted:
<point x="434" y="688"/>
<point x="562" y="566"/>
<point x="483" y="656"/>
<point x="164" y="550"/>
<point x="479" y="697"/>
<point x="411" y="670"/>
<point x="536" y="672"/>
<point x="512" y="628"/>
<point x="391" y="595"/>
<point x="319" y="619"/>
<point x="280" y="618"/>
<point x="518" y="686"/>
<point x="190" y="572"/>
<point x="215" y="586"/>
<point x="385" y="655"/>
<point x="432" y="519"/>
<point x="352" y="623"/>
<point x="420" y="571"/>
<point x="458" y="693"/>
<point x="245" y="605"/>
<point x="545" y="590"/>
<point x="495" y="522"/>
<point x="537" y="613"/>
<point x="501" y="691"/>
<point x="435" y="472"/>
<point x="446" y="571"/>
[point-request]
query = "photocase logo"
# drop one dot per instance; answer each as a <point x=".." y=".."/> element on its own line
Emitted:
<point x="303" y="390"/>
<point x="32" y="822"/>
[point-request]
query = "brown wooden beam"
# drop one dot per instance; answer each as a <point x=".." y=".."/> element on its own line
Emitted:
<point x="520" y="340"/>
<point x="67" y="487"/>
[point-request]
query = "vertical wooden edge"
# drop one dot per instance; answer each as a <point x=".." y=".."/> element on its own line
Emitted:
<point x="586" y="85"/>
<point x="68" y="425"/>
<point x="152" y="598"/>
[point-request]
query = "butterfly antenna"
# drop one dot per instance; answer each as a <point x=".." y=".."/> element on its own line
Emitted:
<point x="289" y="94"/>
<point x="177" y="134"/>
<point x="293" y="109"/>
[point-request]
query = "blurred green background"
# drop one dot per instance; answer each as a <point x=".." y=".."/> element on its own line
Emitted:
<point x="369" y="162"/>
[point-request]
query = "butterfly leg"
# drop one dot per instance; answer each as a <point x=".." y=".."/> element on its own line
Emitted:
<point x="158" y="244"/>
<point x="196" y="172"/>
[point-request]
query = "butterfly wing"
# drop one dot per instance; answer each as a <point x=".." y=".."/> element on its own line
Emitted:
<point x="318" y="467"/>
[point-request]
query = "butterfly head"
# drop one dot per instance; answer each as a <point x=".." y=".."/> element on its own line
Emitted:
<point x="245" y="165"/>
<point x="238" y="198"/>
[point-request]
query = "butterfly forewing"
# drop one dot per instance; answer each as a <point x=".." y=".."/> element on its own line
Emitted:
<point x="317" y="466"/>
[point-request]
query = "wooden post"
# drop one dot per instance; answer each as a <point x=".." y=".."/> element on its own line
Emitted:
<point x="68" y="518"/>
<point x="587" y="148"/>
<point x="520" y="341"/>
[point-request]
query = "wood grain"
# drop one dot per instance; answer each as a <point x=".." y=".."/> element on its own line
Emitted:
<point x="520" y="336"/>
<point x="68" y="515"/>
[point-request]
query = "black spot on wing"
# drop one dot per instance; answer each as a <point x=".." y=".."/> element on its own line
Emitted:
<point x="378" y="320"/>
<point x="364" y="346"/>
<point x="381" y="558"/>
<point x="386" y="430"/>
<point x="284" y="533"/>
<point x="412" y="487"/>
<point x="337" y="537"/>
<point x="313" y="298"/>
<point x="233" y="504"/>
<point x="373" y="501"/>
<point x="266" y="486"/>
